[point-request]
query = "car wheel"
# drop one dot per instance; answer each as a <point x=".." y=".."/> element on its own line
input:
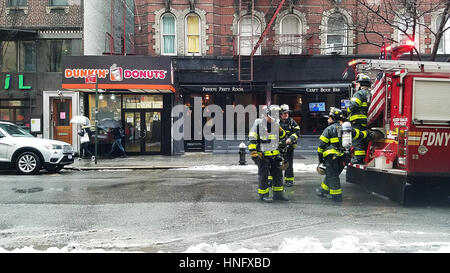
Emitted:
<point x="54" y="168"/>
<point x="28" y="163"/>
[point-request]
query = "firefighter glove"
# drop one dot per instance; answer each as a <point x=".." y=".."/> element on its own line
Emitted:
<point x="255" y="154"/>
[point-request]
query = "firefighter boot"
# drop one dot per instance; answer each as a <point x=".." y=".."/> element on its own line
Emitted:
<point x="278" y="195"/>
<point x="266" y="198"/>
<point x="322" y="193"/>
<point x="336" y="197"/>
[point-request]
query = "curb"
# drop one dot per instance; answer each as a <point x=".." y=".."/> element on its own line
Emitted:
<point x="123" y="168"/>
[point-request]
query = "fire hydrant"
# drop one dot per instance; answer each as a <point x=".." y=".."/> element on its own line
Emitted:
<point x="242" y="148"/>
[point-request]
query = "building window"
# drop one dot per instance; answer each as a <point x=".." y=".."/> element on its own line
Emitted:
<point x="336" y="34"/>
<point x="15" y="111"/>
<point x="109" y="106"/>
<point x="142" y="101"/>
<point x="444" y="44"/>
<point x="8" y="56"/>
<point x="290" y="35"/>
<point x="168" y="33"/>
<point x="57" y="49"/>
<point x="193" y="34"/>
<point x="57" y="3"/>
<point x="249" y="33"/>
<point x="17" y="3"/>
<point x="27" y="56"/>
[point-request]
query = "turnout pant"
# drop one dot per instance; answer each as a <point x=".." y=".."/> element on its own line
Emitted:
<point x="359" y="147"/>
<point x="289" y="172"/>
<point x="334" y="167"/>
<point x="268" y="165"/>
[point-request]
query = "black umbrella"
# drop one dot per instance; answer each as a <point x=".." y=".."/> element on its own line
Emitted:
<point x="109" y="123"/>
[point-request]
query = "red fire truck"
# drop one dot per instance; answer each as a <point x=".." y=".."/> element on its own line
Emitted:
<point x="414" y="149"/>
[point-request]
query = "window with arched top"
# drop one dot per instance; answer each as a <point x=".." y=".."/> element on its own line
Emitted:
<point x="168" y="35"/>
<point x="290" y="35"/>
<point x="193" y="38"/>
<point x="249" y="32"/>
<point x="336" y="34"/>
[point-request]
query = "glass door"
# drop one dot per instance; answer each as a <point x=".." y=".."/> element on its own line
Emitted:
<point x="152" y="132"/>
<point x="133" y="131"/>
<point x="143" y="131"/>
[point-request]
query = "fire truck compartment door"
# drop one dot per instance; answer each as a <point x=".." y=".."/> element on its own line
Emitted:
<point x="430" y="101"/>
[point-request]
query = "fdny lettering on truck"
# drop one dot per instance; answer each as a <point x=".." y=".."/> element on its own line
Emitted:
<point x="429" y="138"/>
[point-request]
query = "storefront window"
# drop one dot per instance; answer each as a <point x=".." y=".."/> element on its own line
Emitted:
<point x="108" y="106"/>
<point x="142" y="101"/>
<point x="15" y="111"/>
<point x="8" y="57"/>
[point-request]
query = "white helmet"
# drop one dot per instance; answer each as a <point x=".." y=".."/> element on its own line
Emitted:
<point x="271" y="110"/>
<point x="284" y="108"/>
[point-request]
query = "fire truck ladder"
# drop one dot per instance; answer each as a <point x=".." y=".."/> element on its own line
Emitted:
<point x="396" y="65"/>
<point x="245" y="62"/>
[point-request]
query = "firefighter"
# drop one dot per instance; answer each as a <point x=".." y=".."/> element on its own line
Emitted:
<point x="357" y="114"/>
<point x="333" y="155"/>
<point x="289" y="143"/>
<point x="263" y="146"/>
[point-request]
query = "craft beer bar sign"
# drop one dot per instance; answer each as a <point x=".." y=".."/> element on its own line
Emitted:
<point x="117" y="72"/>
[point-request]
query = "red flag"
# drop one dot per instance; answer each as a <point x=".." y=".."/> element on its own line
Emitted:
<point x="378" y="101"/>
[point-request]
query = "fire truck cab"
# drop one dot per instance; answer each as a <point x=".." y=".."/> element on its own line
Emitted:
<point x="414" y="149"/>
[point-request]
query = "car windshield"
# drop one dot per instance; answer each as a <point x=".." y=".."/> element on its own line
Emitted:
<point x="15" y="131"/>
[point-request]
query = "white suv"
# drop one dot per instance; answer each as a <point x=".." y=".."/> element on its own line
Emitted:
<point x="28" y="154"/>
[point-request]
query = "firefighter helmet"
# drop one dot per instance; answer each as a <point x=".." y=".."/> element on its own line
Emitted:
<point x="272" y="111"/>
<point x="336" y="114"/>
<point x="284" y="108"/>
<point x="363" y="80"/>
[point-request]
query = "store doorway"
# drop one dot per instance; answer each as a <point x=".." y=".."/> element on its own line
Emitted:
<point x="62" y="114"/>
<point x="143" y="131"/>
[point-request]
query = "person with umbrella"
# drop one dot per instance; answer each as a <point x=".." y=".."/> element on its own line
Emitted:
<point x="117" y="132"/>
<point x="85" y="134"/>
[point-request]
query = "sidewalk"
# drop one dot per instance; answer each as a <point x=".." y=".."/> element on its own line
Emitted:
<point x="169" y="162"/>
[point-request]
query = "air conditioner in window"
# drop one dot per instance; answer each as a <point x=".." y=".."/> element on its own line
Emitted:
<point x="336" y="48"/>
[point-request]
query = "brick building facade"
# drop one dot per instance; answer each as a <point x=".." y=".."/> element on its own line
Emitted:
<point x="219" y="25"/>
<point x="34" y="37"/>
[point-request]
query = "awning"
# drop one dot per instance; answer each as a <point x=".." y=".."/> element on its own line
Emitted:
<point x="12" y="33"/>
<point x="221" y="88"/>
<point x="136" y="88"/>
<point x="314" y="88"/>
<point x="142" y="74"/>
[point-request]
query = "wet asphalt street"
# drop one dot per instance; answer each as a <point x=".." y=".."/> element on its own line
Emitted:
<point x="174" y="209"/>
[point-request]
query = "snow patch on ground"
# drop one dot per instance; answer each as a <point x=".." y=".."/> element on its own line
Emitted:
<point x="251" y="168"/>
<point x="344" y="244"/>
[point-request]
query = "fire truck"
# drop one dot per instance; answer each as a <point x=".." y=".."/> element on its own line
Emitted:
<point x="413" y="148"/>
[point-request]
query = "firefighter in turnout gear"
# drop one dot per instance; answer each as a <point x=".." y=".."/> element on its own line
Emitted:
<point x="289" y="143"/>
<point x="333" y="155"/>
<point x="357" y="115"/>
<point x="263" y="146"/>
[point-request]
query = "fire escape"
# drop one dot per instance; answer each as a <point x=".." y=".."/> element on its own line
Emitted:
<point x="245" y="62"/>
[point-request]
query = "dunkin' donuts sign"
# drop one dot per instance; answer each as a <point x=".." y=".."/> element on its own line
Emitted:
<point x="121" y="72"/>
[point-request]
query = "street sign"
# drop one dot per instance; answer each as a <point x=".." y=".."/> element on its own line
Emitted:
<point x="90" y="79"/>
